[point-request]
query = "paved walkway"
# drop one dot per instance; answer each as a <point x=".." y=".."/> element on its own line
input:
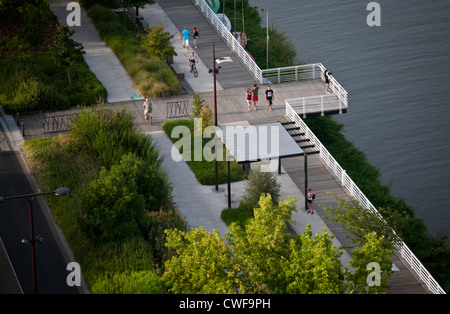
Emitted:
<point x="101" y="59"/>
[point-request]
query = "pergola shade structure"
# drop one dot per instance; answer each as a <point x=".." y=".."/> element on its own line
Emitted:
<point x="252" y="143"/>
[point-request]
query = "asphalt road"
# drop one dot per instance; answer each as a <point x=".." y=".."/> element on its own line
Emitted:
<point x="51" y="255"/>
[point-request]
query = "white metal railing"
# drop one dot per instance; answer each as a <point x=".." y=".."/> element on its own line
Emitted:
<point x="292" y="73"/>
<point x="335" y="87"/>
<point x="232" y="42"/>
<point x="320" y="103"/>
<point x="357" y="194"/>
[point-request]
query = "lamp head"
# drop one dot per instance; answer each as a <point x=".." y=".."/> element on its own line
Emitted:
<point x="62" y="191"/>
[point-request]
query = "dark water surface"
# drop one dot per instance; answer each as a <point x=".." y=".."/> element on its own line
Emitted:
<point x="398" y="83"/>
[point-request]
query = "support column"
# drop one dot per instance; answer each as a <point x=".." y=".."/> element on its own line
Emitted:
<point x="306" y="179"/>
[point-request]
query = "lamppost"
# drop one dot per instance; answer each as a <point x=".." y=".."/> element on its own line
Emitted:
<point x="214" y="71"/>
<point x="30" y="198"/>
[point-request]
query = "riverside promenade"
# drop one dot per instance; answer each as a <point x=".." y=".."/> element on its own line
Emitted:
<point x="196" y="203"/>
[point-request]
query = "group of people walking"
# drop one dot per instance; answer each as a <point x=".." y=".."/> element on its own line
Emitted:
<point x="251" y="95"/>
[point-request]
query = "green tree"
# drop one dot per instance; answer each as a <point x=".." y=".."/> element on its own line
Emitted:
<point x="112" y="206"/>
<point x="263" y="244"/>
<point x="197" y="105"/>
<point x="65" y="50"/>
<point x="374" y="250"/>
<point x="266" y="258"/>
<point x="311" y="261"/>
<point x="202" y="264"/>
<point x="359" y="221"/>
<point x="157" y="42"/>
<point x="207" y="117"/>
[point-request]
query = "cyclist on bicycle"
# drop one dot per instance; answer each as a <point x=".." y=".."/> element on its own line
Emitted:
<point x="192" y="58"/>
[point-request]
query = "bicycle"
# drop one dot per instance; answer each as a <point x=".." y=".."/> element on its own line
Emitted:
<point x="193" y="69"/>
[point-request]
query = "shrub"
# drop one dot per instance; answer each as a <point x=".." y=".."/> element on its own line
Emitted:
<point x="112" y="207"/>
<point x="157" y="222"/>
<point x="239" y="215"/>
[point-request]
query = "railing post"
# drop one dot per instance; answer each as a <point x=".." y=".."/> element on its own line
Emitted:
<point x="343" y="174"/>
<point x="304" y="109"/>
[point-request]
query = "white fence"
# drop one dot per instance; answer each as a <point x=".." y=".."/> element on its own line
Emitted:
<point x="292" y="73"/>
<point x="305" y="72"/>
<point x="232" y="42"/>
<point x="356" y="193"/>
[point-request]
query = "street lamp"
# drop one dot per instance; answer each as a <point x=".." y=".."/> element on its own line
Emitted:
<point x="30" y="198"/>
<point x="214" y="71"/>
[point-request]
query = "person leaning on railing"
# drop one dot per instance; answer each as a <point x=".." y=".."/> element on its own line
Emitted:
<point x="327" y="80"/>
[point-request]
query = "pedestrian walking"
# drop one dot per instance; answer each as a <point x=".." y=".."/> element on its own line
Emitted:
<point x="310" y="196"/>
<point x="269" y="98"/>
<point x="327" y="80"/>
<point x="195" y="35"/>
<point x="248" y="97"/>
<point x="255" y="90"/>
<point x="185" y="37"/>
<point x="147" y="105"/>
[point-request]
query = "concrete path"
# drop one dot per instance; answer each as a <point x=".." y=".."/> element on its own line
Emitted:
<point x="204" y="82"/>
<point x="101" y="59"/>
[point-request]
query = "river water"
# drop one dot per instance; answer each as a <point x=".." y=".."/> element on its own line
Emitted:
<point x="398" y="84"/>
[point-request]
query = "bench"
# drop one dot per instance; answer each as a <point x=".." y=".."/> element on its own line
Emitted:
<point x="176" y="68"/>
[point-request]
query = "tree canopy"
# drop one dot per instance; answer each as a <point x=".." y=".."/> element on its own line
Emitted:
<point x="157" y="43"/>
<point x="266" y="258"/>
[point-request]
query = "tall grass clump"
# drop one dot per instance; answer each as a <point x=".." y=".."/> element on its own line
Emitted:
<point x="26" y="86"/>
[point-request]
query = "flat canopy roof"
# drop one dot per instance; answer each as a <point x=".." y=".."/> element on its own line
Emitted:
<point x="251" y="143"/>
